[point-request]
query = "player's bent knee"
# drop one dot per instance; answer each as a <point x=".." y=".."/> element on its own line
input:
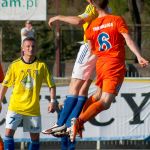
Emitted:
<point x="9" y="132"/>
<point x="34" y="136"/>
<point x="106" y="104"/>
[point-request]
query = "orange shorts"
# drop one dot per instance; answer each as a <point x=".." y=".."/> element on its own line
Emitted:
<point x="110" y="75"/>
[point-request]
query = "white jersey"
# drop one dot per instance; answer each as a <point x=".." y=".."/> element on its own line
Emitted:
<point x="27" y="32"/>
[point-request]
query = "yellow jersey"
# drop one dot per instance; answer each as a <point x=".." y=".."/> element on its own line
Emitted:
<point x="89" y="14"/>
<point x="26" y="80"/>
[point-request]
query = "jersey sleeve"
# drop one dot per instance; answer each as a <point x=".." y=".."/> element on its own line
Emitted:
<point x="89" y="36"/>
<point x="122" y="26"/>
<point x="88" y="33"/>
<point x="48" y="77"/>
<point x="9" y="79"/>
<point x="89" y="13"/>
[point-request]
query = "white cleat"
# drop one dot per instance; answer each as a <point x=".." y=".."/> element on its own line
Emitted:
<point x="71" y="132"/>
<point x="54" y="129"/>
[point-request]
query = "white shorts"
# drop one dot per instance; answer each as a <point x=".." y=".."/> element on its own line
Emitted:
<point x="31" y="124"/>
<point x="85" y="64"/>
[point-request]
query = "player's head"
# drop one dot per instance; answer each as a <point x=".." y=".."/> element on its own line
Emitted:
<point x="28" y="46"/>
<point x="89" y="1"/>
<point x="28" y="24"/>
<point x="102" y="4"/>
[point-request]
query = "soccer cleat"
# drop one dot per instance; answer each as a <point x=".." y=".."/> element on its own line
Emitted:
<point x="48" y="131"/>
<point x="54" y="129"/>
<point x="68" y="130"/>
<point x="60" y="133"/>
<point x="65" y="132"/>
<point x="76" y="128"/>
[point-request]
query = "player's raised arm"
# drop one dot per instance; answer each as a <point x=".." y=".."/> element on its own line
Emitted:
<point x="74" y="20"/>
<point x="134" y="48"/>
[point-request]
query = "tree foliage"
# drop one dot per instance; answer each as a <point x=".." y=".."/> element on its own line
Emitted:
<point x="70" y="35"/>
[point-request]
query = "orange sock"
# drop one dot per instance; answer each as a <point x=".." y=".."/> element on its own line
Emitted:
<point x="92" y="111"/>
<point x="88" y="102"/>
<point x="1" y="144"/>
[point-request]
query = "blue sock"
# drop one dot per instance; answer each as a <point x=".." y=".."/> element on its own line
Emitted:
<point x="147" y="139"/>
<point x="64" y="143"/>
<point x="76" y="110"/>
<point x="9" y="143"/>
<point x="69" y="104"/>
<point x="71" y="145"/>
<point x="34" y="145"/>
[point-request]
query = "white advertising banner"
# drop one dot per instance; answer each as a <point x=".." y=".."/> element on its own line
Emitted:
<point x="23" y="10"/>
<point x="127" y="118"/>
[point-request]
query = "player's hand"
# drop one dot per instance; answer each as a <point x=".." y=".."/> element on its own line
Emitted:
<point x="51" y="20"/>
<point x="52" y="107"/>
<point x="143" y="62"/>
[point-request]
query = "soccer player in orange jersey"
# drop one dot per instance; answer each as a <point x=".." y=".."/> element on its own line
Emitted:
<point x="107" y="35"/>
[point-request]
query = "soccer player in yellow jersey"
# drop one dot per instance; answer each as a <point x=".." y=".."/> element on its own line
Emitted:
<point x="82" y="75"/>
<point x="26" y="75"/>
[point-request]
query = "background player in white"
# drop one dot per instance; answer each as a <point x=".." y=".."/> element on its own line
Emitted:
<point x="27" y="31"/>
<point x="26" y="75"/>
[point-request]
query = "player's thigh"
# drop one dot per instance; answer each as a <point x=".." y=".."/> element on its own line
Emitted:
<point x="113" y="84"/>
<point x="110" y="77"/>
<point x="98" y="93"/>
<point x="32" y="124"/>
<point x="85" y="87"/>
<point x="75" y="86"/>
<point x="107" y="99"/>
<point x="13" y="120"/>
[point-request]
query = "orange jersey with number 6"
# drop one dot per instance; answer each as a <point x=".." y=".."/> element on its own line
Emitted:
<point x="108" y="44"/>
<point x="105" y="36"/>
